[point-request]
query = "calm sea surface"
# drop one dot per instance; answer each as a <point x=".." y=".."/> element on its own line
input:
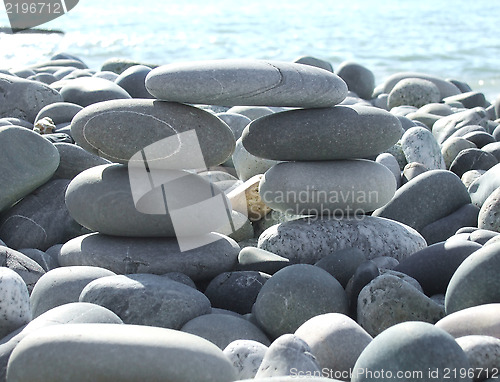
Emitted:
<point x="453" y="39"/>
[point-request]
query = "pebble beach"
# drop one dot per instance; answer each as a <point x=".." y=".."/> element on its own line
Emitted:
<point x="240" y="219"/>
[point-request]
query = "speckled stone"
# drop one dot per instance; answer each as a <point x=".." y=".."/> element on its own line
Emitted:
<point x="373" y="236"/>
<point x="434" y="266"/>
<point x="246" y="83"/>
<point x="62" y="286"/>
<point x="476" y="281"/>
<point x="419" y="145"/>
<point x="145" y="299"/>
<point x="119" y="353"/>
<point x="414" y="92"/>
<point x="246" y="356"/>
<point x="24" y="98"/>
<point x="287" y="354"/>
<point x="446" y="126"/>
<point x="483" y="353"/>
<point x="446" y="88"/>
<point x="452" y="147"/>
<point x="151" y="255"/>
<point x="327" y="187"/>
<point x="416" y="347"/>
<point x="339" y="132"/>
<point x="477" y="320"/>
<point x="489" y="214"/>
<point x="27" y="161"/>
<point x="425" y="199"/>
<point x="388" y="300"/>
<point x="117" y="130"/>
<point x="15" y="302"/>
<point x="484" y="186"/>
<point x="472" y="159"/>
<point x="295" y="294"/>
<point x="29" y="270"/>
<point x="335" y="340"/>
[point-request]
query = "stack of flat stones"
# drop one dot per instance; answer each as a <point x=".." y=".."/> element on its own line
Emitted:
<point x="246" y="220"/>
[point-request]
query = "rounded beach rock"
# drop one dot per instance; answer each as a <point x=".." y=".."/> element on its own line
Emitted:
<point x="151" y="255"/>
<point x="476" y="281"/>
<point x="222" y="329"/>
<point x="248" y="165"/>
<point x="339" y="132"/>
<point x="86" y="91"/>
<point x="15" y="302"/>
<point x="145" y="299"/>
<point x="63" y="285"/>
<point x="373" y="236"/>
<point x="409" y="352"/>
<point x="119" y="353"/>
<point x="358" y="78"/>
<point x="452" y="147"/>
<point x="489" y="217"/>
<point x="27" y="161"/>
<point x="327" y="187"/>
<point x="295" y="294"/>
<point x="388" y="300"/>
<point x="133" y="81"/>
<point x="246" y="83"/>
<point x="446" y="88"/>
<point x="246" y="356"/>
<point x="414" y="92"/>
<point x="74" y="160"/>
<point x="342" y="264"/>
<point x="419" y="145"/>
<point x="472" y="159"/>
<point x="484" y="186"/>
<point x="170" y="134"/>
<point x="483" y="353"/>
<point x="425" y="199"/>
<point x="336" y="341"/>
<point x="29" y="270"/>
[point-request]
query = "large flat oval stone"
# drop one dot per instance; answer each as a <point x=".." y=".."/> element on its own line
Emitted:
<point x="26" y="162"/>
<point x="117" y="352"/>
<point x="425" y="199"/>
<point x="246" y="83"/>
<point x="119" y="129"/>
<point x="102" y="199"/>
<point x="124" y="255"/>
<point x="327" y="187"/>
<point x="307" y="240"/>
<point x="339" y="132"/>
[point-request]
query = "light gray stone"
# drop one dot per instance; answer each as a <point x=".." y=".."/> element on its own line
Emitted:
<point x="14" y="304"/>
<point x="446" y="88"/>
<point x="484" y="186"/>
<point x="248" y="165"/>
<point x="246" y="356"/>
<point x="414" y="92"/>
<point x="390" y="161"/>
<point x="236" y="122"/>
<point x="373" y="236"/>
<point x="452" y="147"/>
<point x="59" y="112"/>
<point x="419" y="145"/>
<point x="476" y="320"/>
<point x="446" y="126"/>
<point x="29" y="270"/>
<point x="251" y="112"/>
<point x="119" y="353"/>
<point x="86" y="91"/>
<point x="483" y="353"/>
<point x="339" y="132"/>
<point x="489" y="214"/>
<point x="246" y="83"/>
<point x="314" y="61"/>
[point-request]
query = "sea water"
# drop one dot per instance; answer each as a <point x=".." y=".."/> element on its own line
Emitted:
<point x="453" y="39"/>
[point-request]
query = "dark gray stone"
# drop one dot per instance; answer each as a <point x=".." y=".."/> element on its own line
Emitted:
<point x="222" y="329"/>
<point x="373" y="236"/>
<point x="40" y="220"/>
<point x="342" y="264"/>
<point x="117" y="130"/>
<point x="286" y="355"/>
<point x="24" y="98"/>
<point x="256" y="259"/>
<point x="335" y="340"/>
<point x="45" y="78"/>
<point x="463" y="86"/>
<point x="466" y="130"/>
<point x="119" y="65"/>
<point x="452" y="147"/>
<point x="358" y="78"/>
<point x="482" y="187"/>
<point x="119" y="353"/>
<point x="446" y="126"/>
<point x="434" y="266"/>
<point x="133" y="81"/>
<point x="145" y="299"/>
<point x="295" y="294"/>
<point x="101" y="199"/>
<point x="340" y="132"/>
<point x="479" y="138"/>
<point x="236" y="291"/>
<point x="86" y="91"/>
<point x="413" y="347"/>
<point x="446" y="88"/>
<point x="29" y="270"/>
<point x="469" y="99"/>
<point x="444" y="228"/>
<point x="58" y="138"/>
<point x="246" y="83"/>
<point x="181" y="278"/>
<point x="427" y="198"/>
<point x="314" y="61"/>
<point x="74" y="160"/>
<point x="78" y="312"/>
<point x="236" y="122"/>
<point x="343" y="188"/>
<point x="363" y="275"/>
<point x="27" y="161"/>
<point x="62" y="286"/>
<point x="47" y="262"/>
<point x="151" y="255"/>
<point x="472" y="159"/>
<point x="476" y="281"/>
<point x="59" y="112"/>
